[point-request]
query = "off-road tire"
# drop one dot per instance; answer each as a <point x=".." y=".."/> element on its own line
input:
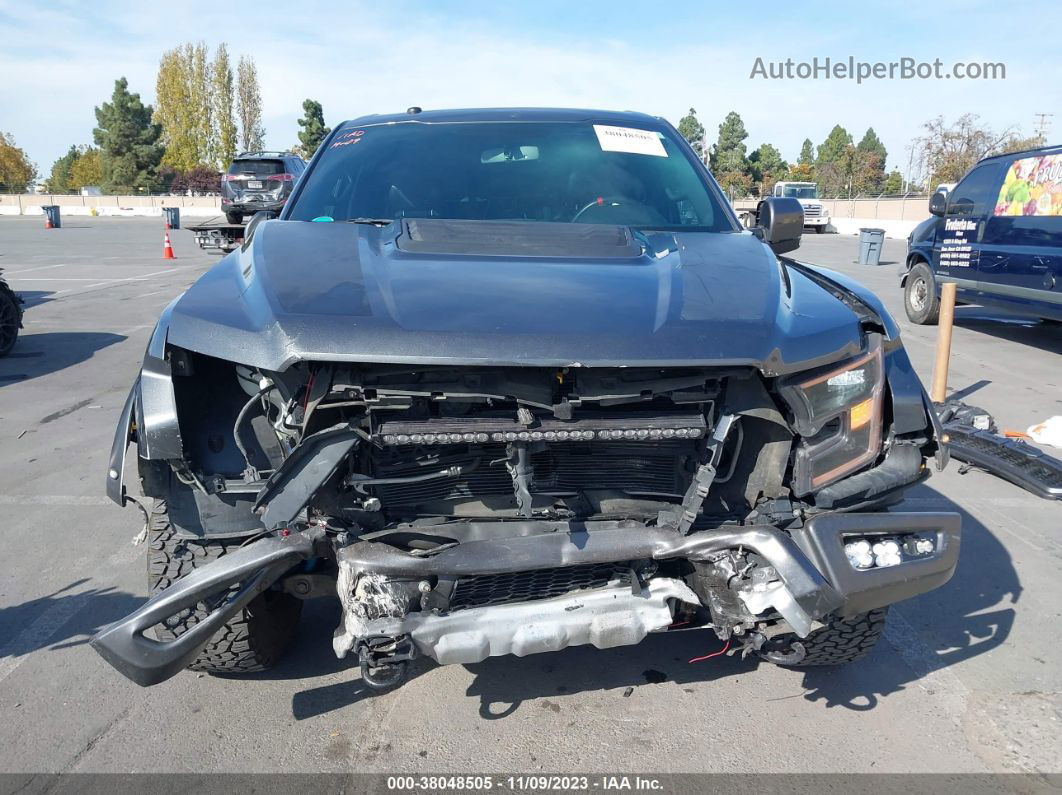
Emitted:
<point x="10" y="318"/>
<point x="234" y="218"/>
<point x="920" y="299"/>
<point x="254" y="639"/>
<point x="842" y="641"/>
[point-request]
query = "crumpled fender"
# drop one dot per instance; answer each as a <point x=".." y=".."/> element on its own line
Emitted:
<point x="149" y="415"/>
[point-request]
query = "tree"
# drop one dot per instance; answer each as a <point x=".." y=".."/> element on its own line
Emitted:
<point x="728" y="152"/>
<point x="692" y="130"/>
<point x="767" y="167"/>
<point x="249" y="105"/>
<point x="831" y="169"/>
<point x="735" y="184"/>
<point x="946" y="151"/>
<point x="196" y="99"/>
<point x="174" y="112"/>
<point x="17" y="171"/>
<point x="201" y="180"/>
<point x="128" y="140"/>
<point x="801" y="172"/>
<point x="313" y="130"/>
<point x="87" y="169"/>
<point x="200" y="101"/>
<point x="893" y="183"/>
<point x="223" y="98"/>
<point x="850" y="171"/>
<point x="807" y="153"/>
<point x="59" y="179"/>
<point x="875" y="154"/>
<point x="185" y="113"/>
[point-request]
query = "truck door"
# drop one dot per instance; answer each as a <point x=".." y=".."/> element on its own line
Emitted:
<point x="958" y="243"/>
<point x="1024" y="234"/>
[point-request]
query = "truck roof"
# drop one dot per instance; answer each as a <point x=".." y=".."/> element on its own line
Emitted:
<point x="505" y="114"/>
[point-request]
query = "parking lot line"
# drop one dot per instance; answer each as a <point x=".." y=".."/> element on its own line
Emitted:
<point x="36" y="268"/>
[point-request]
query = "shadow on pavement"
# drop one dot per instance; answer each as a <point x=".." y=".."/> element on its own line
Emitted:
<point x="36" y="355"/>
<point x="32" y="298"/>
<point x="969" y="616"/>
<point x="68" y="617"/>
<point x="1022" y="330"/>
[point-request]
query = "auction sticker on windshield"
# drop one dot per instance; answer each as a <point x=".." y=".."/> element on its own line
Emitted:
<point x="628" y="139"/>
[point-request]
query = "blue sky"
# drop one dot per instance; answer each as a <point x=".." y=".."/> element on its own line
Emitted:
<point x="61" y="60"/>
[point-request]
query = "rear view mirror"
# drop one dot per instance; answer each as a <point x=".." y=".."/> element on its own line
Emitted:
<point x="938" y="203"/>
<point x="779" y="223"/>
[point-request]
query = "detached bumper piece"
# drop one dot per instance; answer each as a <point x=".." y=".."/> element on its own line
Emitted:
<point x="237" y="578"/>
<point x="1022" y="464"/>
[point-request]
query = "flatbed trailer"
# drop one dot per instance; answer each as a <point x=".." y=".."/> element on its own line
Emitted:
<point x="218" y="234"/>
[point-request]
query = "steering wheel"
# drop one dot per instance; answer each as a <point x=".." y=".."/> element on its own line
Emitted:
<point x="608" y="202"/>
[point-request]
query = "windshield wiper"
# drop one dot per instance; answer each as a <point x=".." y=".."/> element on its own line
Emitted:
<point x="371" y="221"/>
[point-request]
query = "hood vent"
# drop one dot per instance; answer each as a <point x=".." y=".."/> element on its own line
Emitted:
<point x="518" y="239"/>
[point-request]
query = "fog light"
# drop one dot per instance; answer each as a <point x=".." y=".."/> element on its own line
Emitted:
<point x="914" y="545"/>
<point x="886" y="553"/>
<point x="858" y="553"/>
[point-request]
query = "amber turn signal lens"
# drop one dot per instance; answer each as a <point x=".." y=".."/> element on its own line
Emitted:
<point x="861" y="413"/>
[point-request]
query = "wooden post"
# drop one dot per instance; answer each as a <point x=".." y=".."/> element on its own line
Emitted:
<point x="940" y="369"/>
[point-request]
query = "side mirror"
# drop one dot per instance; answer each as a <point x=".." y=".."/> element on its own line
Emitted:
<point x="256" y="219"/>
<point x="938" y="203"/>
<point x="779" y="223"/>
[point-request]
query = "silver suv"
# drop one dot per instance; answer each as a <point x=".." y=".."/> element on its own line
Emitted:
<point x="258" y="181"/>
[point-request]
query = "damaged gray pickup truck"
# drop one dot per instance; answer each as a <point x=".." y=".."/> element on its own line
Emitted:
<point x="508" y="381"/>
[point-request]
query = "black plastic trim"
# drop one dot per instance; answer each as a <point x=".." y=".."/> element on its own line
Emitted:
<point x="147" y="662"/>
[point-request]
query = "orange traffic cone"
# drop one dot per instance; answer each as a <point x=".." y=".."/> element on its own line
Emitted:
<point x="167" y="248"/>
<point x="47" y="221"/>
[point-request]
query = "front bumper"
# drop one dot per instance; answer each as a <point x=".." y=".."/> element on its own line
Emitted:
<point x="822" y="220"/>
<point x="816" y="577"/>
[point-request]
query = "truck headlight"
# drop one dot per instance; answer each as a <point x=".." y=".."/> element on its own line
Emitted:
<point x="837" y="412"/>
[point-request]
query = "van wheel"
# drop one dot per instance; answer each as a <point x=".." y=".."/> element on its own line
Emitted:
<point x="920" y="296"/>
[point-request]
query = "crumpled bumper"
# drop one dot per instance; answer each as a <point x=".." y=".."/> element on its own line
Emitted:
<point x="817" y="580"/>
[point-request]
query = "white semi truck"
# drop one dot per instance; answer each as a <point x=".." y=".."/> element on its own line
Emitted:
<point x="807" y="193"/>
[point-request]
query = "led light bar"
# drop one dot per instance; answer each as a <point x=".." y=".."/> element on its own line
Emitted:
<point x="482" y="431"/>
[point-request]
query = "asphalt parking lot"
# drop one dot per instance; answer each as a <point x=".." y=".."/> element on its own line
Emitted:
<point x="967" y="680"/>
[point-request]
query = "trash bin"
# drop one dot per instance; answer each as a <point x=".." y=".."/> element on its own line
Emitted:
<point x="51" y="216"/>
<point x="173" y="217"/>
<point x="870" y="243"/>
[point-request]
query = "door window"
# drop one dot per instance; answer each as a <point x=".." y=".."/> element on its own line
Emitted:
<point x="977" y="193"/>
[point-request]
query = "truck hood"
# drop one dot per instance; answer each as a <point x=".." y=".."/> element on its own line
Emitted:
<point x="466" y="293"/>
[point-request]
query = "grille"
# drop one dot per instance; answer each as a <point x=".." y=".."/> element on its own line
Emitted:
<point x="812" y="211"/>
<point x="651" y="468"/>
<point x="528" y="586"/>
<point x="976" y="447"/>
